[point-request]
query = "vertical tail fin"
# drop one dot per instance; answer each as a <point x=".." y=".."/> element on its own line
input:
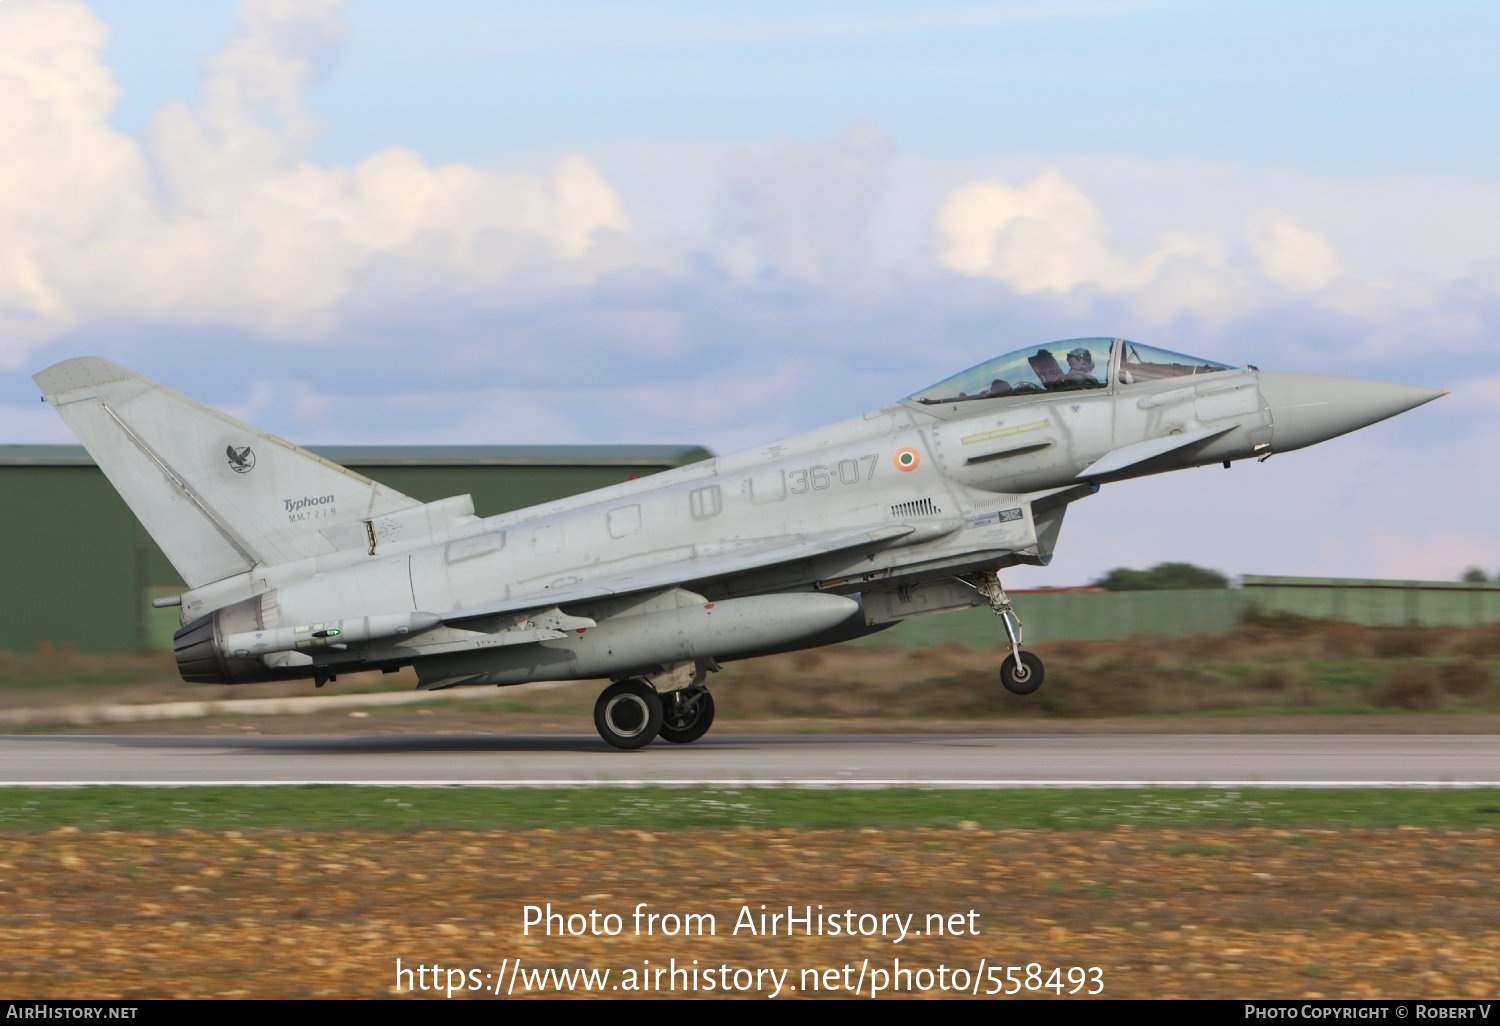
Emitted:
<point x="217" y="495"/>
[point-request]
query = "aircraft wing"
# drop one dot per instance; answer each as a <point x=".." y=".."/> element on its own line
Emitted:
<point x="684" y="567"/>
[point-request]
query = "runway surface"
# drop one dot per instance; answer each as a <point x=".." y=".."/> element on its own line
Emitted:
<point x="845" y="760"/>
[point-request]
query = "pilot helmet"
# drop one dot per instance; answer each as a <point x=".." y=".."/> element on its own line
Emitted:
<point x="1082" y="355"/>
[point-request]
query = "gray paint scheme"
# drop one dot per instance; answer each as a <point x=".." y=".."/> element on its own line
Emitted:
<point x="906" y="510"/>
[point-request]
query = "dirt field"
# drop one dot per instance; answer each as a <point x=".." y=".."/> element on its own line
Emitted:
<point x="1254" y="913"/>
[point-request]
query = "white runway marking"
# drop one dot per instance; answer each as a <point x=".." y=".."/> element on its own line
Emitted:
<point x="808" y="784"/>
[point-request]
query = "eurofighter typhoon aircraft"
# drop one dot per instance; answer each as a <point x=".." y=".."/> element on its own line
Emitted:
<point x="298" y="568"/>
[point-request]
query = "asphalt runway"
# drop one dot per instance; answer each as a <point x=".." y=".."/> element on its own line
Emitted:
<point x="843" y="760"/>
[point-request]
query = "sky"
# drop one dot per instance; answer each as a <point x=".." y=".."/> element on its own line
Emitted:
<point x="465" y="222"/>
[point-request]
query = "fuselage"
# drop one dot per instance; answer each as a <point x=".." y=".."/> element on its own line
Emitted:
<point x="941" y="469"/>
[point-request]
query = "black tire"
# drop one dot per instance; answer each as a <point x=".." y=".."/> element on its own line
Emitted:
<point x="685" y="724"/>
<point x="628" y="714"/>
<point x="1025" y="679"/>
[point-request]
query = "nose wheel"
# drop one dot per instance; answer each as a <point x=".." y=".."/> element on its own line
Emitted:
<point x="1021" y="676"/>
<point x="1021" y="673"/>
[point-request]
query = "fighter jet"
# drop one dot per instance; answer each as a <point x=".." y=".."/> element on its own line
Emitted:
<point x="296" y="567"/>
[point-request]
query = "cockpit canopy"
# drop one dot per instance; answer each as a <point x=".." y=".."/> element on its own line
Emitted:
<point x="1070" y="365"/>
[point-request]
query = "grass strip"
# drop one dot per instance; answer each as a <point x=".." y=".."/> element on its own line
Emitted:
<point x="402" y="809"/>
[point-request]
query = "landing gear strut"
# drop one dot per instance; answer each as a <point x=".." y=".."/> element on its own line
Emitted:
<point x="1021" y="673"/>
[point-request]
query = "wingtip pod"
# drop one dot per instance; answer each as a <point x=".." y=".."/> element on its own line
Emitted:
<point x="82" y="373"/>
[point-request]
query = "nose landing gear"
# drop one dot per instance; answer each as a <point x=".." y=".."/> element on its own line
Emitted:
<point x="1021" y="673"/>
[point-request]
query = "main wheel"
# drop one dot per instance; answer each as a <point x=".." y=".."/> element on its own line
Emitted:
<point x="1022" y="678"/>
<point x="628" y="714"/>
<point x="687" y="715"/>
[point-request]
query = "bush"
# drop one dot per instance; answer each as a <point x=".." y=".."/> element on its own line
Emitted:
<point x="1287" y="624"/>
<point x="1404" y="641"/>
<point x="1412" y="686"/>
<point x="1480" y="642"/>
<point x="1272" y="679"/>
<point x="1162" y="576"/>
<point x="1466" y="678"/>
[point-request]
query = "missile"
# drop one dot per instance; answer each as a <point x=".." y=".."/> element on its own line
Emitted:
<point x="333" y="634"/>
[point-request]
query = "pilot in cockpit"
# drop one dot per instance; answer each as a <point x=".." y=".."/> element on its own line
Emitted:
<point x="1081" y="369"/>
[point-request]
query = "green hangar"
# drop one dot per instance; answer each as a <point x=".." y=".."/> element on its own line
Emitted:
<point x="80" y="572"/>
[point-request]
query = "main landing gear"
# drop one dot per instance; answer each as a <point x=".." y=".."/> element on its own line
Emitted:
<point x="1021" y="673"/>
<point x="688" y="714"/>
<point x="630" y="714"/>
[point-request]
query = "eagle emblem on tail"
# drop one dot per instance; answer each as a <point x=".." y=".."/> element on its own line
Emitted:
<point x="241" y="460"/>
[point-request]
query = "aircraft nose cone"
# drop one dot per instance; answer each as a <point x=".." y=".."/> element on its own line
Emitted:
<point x="1311" y="408"/>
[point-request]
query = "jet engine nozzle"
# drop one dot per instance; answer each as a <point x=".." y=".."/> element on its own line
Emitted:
<point x="199" y="647"/>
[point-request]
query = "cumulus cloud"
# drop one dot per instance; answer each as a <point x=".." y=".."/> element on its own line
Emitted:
<point x="59" y="161"/>
<point x="1043" y="235"/>
<point x="1295" y="258"/>
<point x="1050" y="236"/>
<point x="803" y="208"/>
<point x="221" y="219"/>
<point x="1047" y="235"/>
